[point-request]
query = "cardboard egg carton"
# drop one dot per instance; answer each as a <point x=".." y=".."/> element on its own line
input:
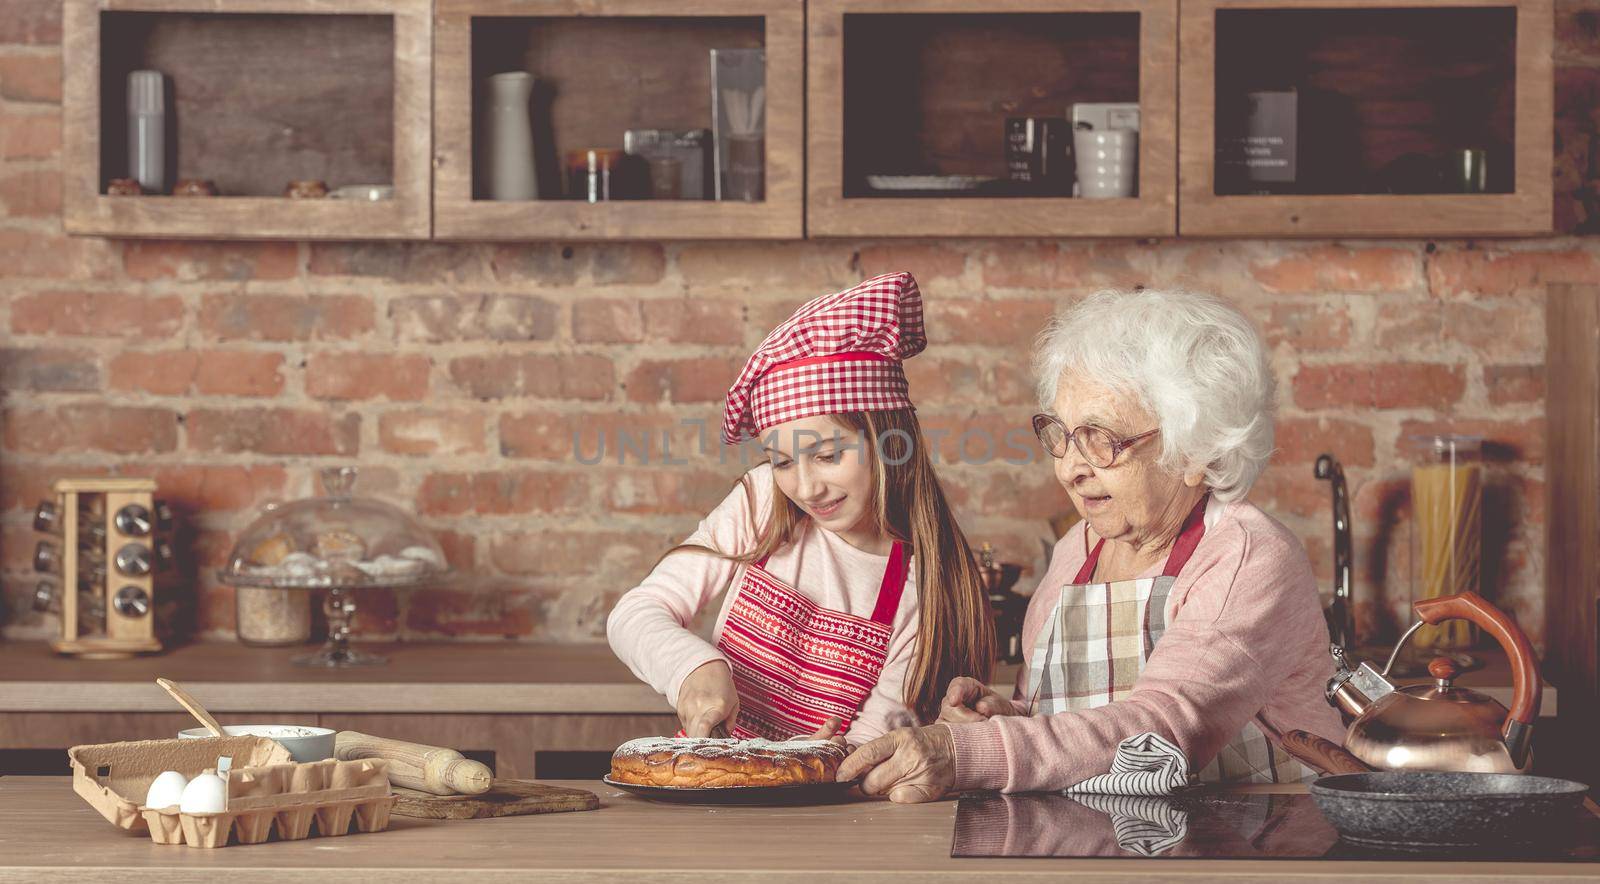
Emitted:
<point x="327" y="795"/>
<point x="266" y="790"/>
<point x="114" y="777"/>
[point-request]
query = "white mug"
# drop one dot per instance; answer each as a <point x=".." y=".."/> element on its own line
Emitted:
<point x="1106" y="161"/>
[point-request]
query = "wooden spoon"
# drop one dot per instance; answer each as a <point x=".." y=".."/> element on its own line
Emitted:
<point x="193" y="705"/>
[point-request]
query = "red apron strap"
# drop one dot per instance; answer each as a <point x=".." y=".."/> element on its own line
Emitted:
<point x="1086" y="573"/>
<point x="1194" y="527"/>
<point x="894" y="583"/>
<point x="889" y="591"/>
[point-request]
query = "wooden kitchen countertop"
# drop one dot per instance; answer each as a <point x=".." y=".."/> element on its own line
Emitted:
<point x="456" y="677"/>
<point x="48" y="833"/>
<point x="443" y="677"/>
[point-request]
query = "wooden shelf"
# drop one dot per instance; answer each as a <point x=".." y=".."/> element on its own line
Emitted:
<point x="1381" y="82"/>
<point x="925" y="87"/>
<point x="249" y="92"/>
<point x="606" y="66"/>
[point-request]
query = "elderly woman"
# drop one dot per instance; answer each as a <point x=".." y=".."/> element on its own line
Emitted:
<point x="1175" y="607"/>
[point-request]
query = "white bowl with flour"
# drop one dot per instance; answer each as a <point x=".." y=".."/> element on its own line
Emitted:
<point x="303" y="742"/>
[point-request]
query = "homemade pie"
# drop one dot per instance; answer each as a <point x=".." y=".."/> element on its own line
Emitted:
<point x="715" y="763"/>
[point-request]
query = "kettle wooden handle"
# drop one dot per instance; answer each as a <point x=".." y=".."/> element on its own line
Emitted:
<point x="1526" y="689"/>
<point x="431" y="769"/>
<point x="1324" y="755"/>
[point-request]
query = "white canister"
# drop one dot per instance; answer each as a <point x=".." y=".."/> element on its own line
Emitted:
<point x="147" y="130"/>
<point x="508" y="138"/>
<point x="1107" y="162"/>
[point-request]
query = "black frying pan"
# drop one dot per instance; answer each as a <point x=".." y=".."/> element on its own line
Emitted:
<point x="1434" y="810"/>
<point x="1442" y="810"/>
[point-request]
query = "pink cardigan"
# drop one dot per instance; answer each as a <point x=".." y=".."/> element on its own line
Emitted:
<point x="1246" y="638"/>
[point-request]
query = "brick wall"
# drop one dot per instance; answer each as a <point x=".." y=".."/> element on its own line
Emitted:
<point x="457" y="375"/>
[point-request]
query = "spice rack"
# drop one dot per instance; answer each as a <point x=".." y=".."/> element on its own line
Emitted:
<point x="601" y="67"/>
<point x="104" y="546"/>
<point x="250" y="107"/>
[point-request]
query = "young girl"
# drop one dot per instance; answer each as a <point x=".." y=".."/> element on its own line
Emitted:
<point x="850" y="595"/>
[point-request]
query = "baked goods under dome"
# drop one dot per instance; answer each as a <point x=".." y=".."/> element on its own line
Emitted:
<point x="337" y="540"/>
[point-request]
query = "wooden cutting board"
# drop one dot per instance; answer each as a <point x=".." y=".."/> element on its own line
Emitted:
<point x="504" y="798"/>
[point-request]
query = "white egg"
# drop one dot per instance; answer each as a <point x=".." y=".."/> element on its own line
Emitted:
<point x="206" y="793"/>
<point x="166" y="789"/>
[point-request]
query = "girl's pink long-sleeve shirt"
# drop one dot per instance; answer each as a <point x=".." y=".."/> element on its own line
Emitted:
<point x="1246" y="639"/>
<point x="649" y="629"/>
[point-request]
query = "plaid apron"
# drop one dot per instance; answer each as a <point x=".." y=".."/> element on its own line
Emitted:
<point x="1101" y="635"/>
<point x="796" y="663"/>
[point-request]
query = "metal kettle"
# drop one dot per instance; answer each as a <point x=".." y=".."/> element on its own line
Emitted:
<point x="1440" y="726"/>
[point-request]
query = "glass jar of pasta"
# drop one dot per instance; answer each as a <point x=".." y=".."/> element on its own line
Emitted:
<point x="1447" y="530"/>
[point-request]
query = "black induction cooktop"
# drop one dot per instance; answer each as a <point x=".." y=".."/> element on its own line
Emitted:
<point x="1204" y="824"/>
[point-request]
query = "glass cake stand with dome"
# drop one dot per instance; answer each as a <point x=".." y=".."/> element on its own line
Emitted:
<point x="339" y="543"/>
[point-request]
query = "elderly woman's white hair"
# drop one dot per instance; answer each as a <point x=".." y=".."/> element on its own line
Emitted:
<point x="1192" y="360"/>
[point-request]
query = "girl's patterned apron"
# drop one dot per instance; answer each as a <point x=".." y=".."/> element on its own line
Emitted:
<point x="796" y="663"/>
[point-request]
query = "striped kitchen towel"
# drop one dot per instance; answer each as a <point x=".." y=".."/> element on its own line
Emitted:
<point x="1145" y="764"/>
<point x="1142" y="824"/>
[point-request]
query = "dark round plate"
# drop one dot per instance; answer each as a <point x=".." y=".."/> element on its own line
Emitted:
<point x="804" y="793"/>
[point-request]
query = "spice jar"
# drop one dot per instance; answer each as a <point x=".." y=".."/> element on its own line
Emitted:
<point x="589" y="173"/>
<point x="269" y="617"/>
<point x="307" y="189"/>
<point x="195" y="187"/>
<point x="666" y="176"/>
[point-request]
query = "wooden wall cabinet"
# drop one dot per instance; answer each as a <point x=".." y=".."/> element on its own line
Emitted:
<point x="855" y="89"/>
<point x="923" y="87"/>
<point x="604" y="66"/>
<point x="1387" y="89"/>
<point x="261" y="92"/>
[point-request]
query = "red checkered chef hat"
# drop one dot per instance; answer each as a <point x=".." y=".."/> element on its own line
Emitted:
<point x="837" y="353"/>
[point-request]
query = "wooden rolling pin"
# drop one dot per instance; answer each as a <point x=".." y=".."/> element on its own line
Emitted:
<point x="431" y="769"/>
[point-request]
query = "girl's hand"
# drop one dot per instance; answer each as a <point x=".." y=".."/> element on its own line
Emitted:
<point x="968" y="699"/>
<point x="707" y="701"/>
<point x="910" y="764"/>
<point x="829" y="731"/>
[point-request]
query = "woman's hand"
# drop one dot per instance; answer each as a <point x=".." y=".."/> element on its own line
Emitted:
<point x="707" y="700"/>
<point x="829" y="731"/>
<point x="968" y="699"/>
<point x="909" y="764"/>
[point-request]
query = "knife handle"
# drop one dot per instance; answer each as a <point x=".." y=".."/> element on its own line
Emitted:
<point x="431" y="769"/>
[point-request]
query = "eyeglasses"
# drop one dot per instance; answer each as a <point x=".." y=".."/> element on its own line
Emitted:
<point x="1098" y="445"/>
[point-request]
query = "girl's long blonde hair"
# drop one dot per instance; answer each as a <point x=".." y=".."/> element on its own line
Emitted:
<point x="955" y="636"/>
